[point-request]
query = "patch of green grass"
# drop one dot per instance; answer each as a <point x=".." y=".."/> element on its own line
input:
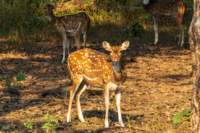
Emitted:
<point x="129" y="123"/>
<point x="29" y="124"/>
<point x="20" y="76"/>
<point x="51" y="123"/>
<point x="181" y="116"/>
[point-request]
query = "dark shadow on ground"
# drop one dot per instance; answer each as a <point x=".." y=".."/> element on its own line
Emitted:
<point x="95" y="113"/>
<point x="177" y="76"/>
<point x="14" y="102"/>
<point x="9" y="126"/>
<point x="102" y="130"/>
<point x="113" y="116"/>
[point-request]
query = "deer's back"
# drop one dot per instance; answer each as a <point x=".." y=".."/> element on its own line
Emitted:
<point x="164" y="7"/>
<point x="72" y="21"/>
<point x="92" y="65"/>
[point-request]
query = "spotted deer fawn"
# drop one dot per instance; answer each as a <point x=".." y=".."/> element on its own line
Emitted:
<point x="90" y="68"/>
<point x="70" y="26"/>
<point x="173" y="8"/>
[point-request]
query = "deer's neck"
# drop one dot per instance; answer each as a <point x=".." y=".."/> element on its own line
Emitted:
<point x="117" y="74"/>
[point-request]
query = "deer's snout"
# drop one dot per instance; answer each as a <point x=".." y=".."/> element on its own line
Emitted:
<point x="116" y="65"/>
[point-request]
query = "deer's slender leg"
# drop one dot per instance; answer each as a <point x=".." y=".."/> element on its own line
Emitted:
<point x="179" y="18"/>
<point x="68" y="45"/>
<point x="118" y="100"/>
<point x="181" y="37"/>
<point x="65" y="43"/>
<point x="73" y="91"/>
<point x="155" y="27"/>
<point x="107" y="102"/>
<point x="77" y="41"/>
<point x="80" y="114"/>
<point x="70" y="106"/>
<point x="78" y="86"/>
<point x="84" y="38"/>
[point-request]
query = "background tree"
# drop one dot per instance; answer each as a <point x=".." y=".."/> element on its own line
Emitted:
<point x="194" y="39"/>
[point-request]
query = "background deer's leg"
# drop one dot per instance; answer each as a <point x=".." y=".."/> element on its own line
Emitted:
<point x="80" y="114"/>
<point x="84" y="39"/>
<point x="155" y="27"/>
<point x="107" y="102"/>
<point x="118" y="104"/>
<point x="68" y="45"/>
<point x="179" y="19"/>
<point x="77" y="41"/>
<point x="181" y="36"/>
<point x="64" y="37"/>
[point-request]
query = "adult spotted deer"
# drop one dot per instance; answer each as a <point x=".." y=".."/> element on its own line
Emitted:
<point x="173" y="8"/>
<point x="70" y="26"/>
<point x="90" y="68"/>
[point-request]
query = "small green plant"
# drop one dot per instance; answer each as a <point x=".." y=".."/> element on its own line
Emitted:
<point x="129" y="124"/>
<point x="7" y="80"/>
<point x="180" y="116"/>
<point x="51" y="123"/>
<point x="21" y="76"/>
<point x="29" y="124"/>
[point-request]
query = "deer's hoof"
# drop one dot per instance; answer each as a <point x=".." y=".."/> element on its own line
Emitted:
<point x="82" y="120"/>
<point x="63" y="61"/>
<point x="68" y="120"/>
<point x="122" y="124"/>
<point x="106" y="125"/>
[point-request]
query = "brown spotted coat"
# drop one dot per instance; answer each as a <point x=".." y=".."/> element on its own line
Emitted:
<point x="92" y="65"/>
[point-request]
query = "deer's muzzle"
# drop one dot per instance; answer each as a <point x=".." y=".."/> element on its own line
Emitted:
<point x="116" y="66"/>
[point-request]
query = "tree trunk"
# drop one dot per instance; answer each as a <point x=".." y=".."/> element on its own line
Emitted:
<point x="194" y="39"/>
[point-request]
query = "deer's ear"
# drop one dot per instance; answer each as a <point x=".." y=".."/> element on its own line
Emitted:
<point x="125" y="45"/>
<point x="106" y="46"/>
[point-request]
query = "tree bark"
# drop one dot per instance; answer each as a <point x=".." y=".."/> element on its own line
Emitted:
<point x="194" y="39"/>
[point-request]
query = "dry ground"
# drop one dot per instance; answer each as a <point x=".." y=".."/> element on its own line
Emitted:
<point x="158" y="85"/>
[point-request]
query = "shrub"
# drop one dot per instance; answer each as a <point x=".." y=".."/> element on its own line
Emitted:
<point x="20" y="18"/>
